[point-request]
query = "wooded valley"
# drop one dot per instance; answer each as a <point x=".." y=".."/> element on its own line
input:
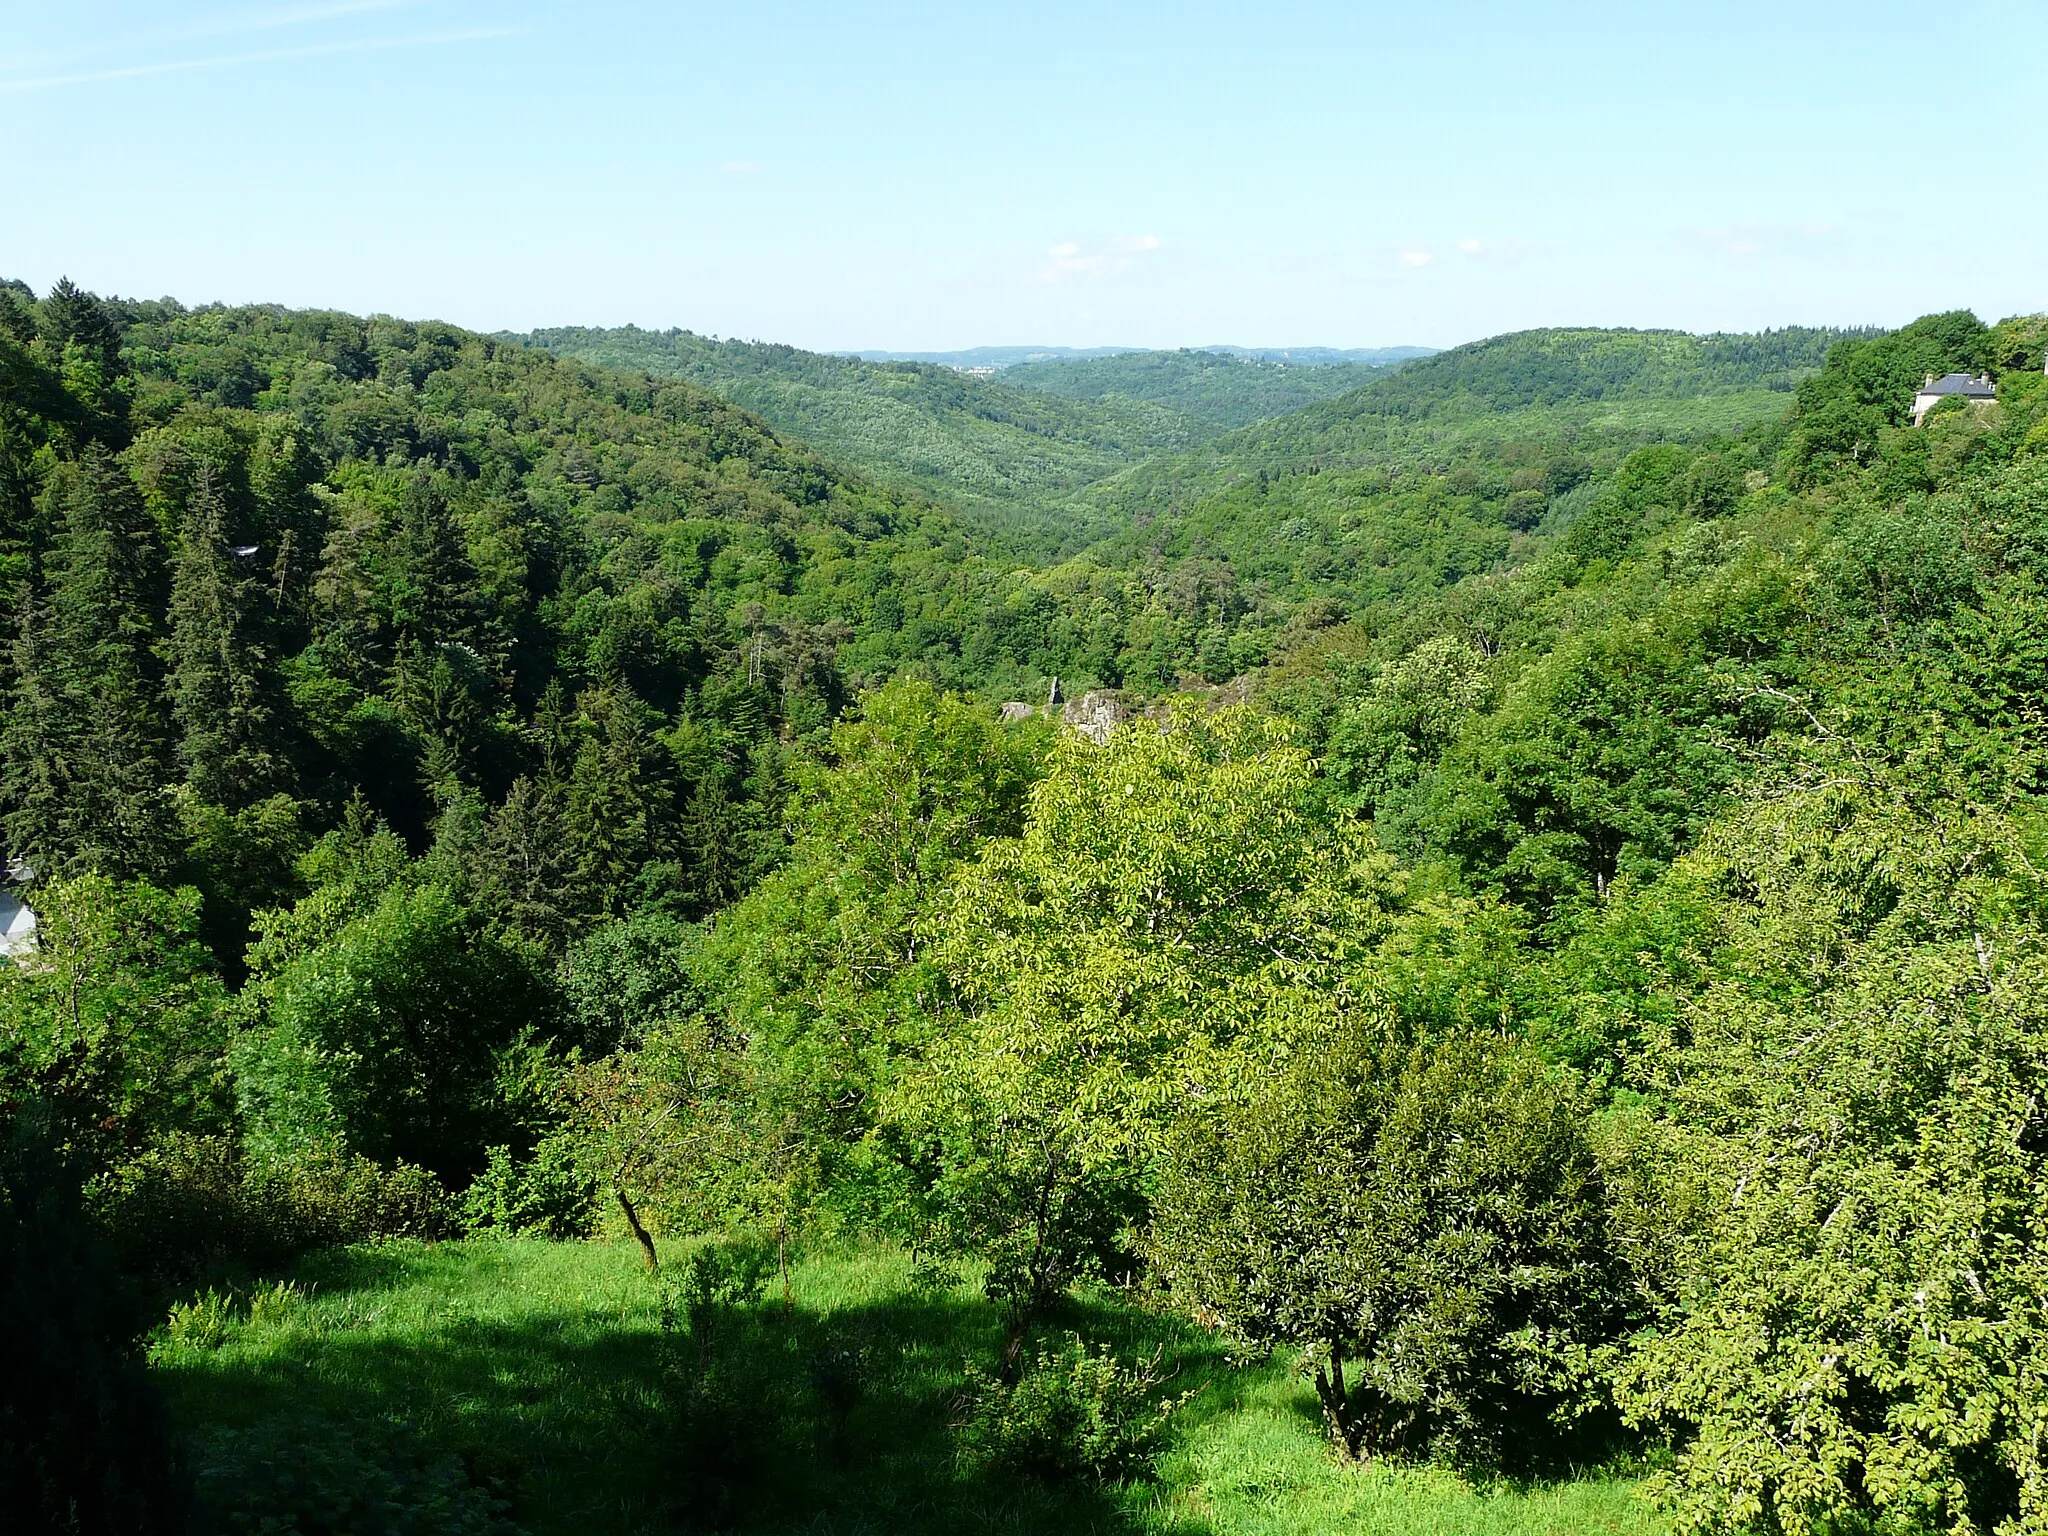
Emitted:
<point x="584" y="977"/>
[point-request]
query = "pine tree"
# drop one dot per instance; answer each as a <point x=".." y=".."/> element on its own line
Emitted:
<point x="71" y="317"/>
<point x="554" y="731"/>
<point x="715" y="833"/>
<point x="217" y="688"/>
<point x="443" y="694"/>
<point x="616" y="808"/>
<point x="430" y="583"/>
<point x="85" y="757"/>
<point x="459" y="860"/>
<point x="39" y="742"/>
<point x="530" y="877"/>
<point x="346" y="633"/>
<point x="82" y="336"/>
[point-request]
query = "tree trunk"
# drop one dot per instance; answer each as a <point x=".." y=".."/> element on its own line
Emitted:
<point x="1347" y="1424"/>
<point x="639" y="1232"/>
<point x="1013" y="1346"/>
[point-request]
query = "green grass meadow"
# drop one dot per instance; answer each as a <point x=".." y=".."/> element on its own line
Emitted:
<point x="542" y="1372"/>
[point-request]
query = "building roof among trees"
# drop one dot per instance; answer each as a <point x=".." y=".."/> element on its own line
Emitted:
<point x="1977" y="387"/>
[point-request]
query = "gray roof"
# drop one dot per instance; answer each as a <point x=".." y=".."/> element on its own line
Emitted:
<point x="1961" y="384"/>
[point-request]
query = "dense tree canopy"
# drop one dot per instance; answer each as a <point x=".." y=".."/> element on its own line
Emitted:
<point x="1550" y="944"/>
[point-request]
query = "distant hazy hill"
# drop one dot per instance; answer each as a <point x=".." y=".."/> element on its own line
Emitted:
<point x="1371" y="357"/>
<point x="1013" y="451"/>
<point x="1008" y="456"/>
<point x="1013" y="357"/>
<point x="1614" y="385"/>
<point x="1430" y="472"/>
<point x="1215" y="389"/>
<point x="995" y="357"/>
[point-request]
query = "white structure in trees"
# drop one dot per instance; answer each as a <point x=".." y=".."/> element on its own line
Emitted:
<point x="17" y="922"/>
<point x="1977" y="389"/>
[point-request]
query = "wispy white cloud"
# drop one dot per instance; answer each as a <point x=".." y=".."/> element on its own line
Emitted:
<point x="1415" y="258"/>
<point x="1471" y="246"/>
<point x="261" y="56"/>
<point x="1072" y="260"/>
<point x="739" y="167"/>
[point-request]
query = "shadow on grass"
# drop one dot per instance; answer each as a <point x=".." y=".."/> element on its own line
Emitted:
<point x="835" y="1415"/>
<point x="1521" y="1450"/>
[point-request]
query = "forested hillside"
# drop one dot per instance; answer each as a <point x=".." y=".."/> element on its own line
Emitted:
<point x="366" y="558"/>
<point x="1212" y="391"/>
<point x="572" y="1009"/>
<point x="1449" y="466"/>
<point x="1010" y="459"/>
<point x="1477" y="401"/>
<point x="1009" y="452"/>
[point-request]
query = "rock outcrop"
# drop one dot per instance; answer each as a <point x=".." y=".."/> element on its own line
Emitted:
<point x="1095" y="714"/>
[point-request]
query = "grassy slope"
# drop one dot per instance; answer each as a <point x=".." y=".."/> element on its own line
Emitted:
<point x="1008" y="455"/>
<point x="540" y="1365"/>
<point x="1213" y="390"/>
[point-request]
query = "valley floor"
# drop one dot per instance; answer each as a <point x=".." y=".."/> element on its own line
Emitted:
<point x="419" y="1374"/>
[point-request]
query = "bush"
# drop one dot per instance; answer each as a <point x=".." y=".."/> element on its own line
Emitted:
<point x="548" y="1194"/>
<point x="1074" y="1412"/>
<point x="191" y="1202"/>
<point x="729" y="1273"/>
<point x="722" y="1410"/>
<point x="1430" y="1215"/>
<point x="389" y="1038"/>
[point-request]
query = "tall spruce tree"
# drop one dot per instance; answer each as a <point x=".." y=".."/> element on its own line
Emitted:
<point x="530" y="875"/>
<point x="430" y="583"/>
<point x="347" y="634"/>
<point x="225" y="722"/>
<point x="39" y="742"/>
<point x="617" y="807"/>
<point x="85" y="765"/>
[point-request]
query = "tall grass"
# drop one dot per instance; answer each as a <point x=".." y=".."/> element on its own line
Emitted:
<point x="541" y="1373"/>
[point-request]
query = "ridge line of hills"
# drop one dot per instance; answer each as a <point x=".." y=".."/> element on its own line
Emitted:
<point x="1051" y="456"/>
<point x="1008" y="357"/>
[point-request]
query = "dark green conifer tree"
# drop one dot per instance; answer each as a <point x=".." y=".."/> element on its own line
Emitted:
<point x="82" y="337"/>
<point x="347" y="635"/>
<point x="85" y="767"/>
<point x="530" y="873"/>
<point x="617" y="807"/>
<point x="71" y="317"/>
<point x="715" y="837"/>
<point x="39" y="742"/>
<point x="430" y="583"/>
<point x="218" y="698"/>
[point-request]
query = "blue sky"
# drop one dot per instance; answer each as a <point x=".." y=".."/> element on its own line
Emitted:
<point x="924" y="176"/>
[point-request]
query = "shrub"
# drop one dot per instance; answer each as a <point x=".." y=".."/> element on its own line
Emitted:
<point x="1074" y="1412"/>
<point x="388" y="1038"/>
<point x="1430" y="1215"/>
<point x="548" y="1194"/>
<point x="193" y="1201"/>
<point x="722" y="1410"/>
<point x="731" y="1272"/>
